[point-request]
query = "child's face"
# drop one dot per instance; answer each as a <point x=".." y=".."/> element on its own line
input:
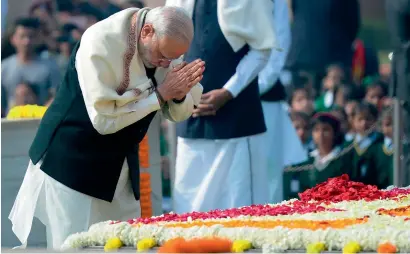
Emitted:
<point x="302" y="129"/>
<point x="387" y="126"/>
<point x="374" y="95"/>
<point x="323" y="135"/>
<point x="333" y="78"/>
<point x="362" y="122"/>
<point x="302" y="102"/>
<point x="349" y="107"/>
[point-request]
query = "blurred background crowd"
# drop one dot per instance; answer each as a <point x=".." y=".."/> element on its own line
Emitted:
<point x="337" y="63"/>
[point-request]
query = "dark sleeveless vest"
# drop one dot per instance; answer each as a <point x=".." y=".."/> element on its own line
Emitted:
<point x="75" y="154"/>
<point x="241" y="116"/>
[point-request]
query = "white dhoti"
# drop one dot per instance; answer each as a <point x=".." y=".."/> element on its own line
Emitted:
<point x="219" y="174"/>
<point x="283" y="145"/>
<point x="65" y="211"/>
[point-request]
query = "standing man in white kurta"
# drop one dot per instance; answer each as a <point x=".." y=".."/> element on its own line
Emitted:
<point x="219" y="162"/>
<point x="83" y="162"/>
<point x="282" y="144"/>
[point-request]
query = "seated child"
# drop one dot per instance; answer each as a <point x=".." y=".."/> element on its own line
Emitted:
<point x="376" y="90"/>
<point x="335" y="75"/>
<point x="364" y="117"/>
<point x="301" y="122"/>
<point x="327" y="160"/>
<point x="380" y="156"/>
<point x="301" y="101"/>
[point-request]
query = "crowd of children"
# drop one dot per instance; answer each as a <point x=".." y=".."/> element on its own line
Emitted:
<point x="346" y="128"/>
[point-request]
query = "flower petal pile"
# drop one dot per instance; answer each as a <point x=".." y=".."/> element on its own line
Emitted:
<point x="338" y="214"/>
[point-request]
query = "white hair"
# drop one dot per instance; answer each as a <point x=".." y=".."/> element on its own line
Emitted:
<point x="171" y="21"/>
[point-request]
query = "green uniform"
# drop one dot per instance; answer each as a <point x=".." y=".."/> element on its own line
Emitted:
<point x="325" y="102"/>
<point x="296" y="182"/>
<point x="363" y="157"/>
<point x="380" y="165"/>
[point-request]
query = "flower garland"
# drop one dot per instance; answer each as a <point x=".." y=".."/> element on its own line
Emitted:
<point x="143" y="152"/>
<point x="145" y="178"/>
<point x="351" y="226"/>
<point x="26" y="111"/>
<point x="145" y="195"/>
<point x="198" y="245"/>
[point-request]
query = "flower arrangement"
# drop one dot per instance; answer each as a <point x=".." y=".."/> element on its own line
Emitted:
<point x="26" y="111"/>
<point x="363" y="218"/>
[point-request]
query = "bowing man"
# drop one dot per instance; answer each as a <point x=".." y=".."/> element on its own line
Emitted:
<point x="83" y="165"/>
<point x="220" y="163"/>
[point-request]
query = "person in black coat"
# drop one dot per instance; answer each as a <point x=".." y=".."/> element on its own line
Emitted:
<point x="323" y="33"/>
<point x="398" y="19"/>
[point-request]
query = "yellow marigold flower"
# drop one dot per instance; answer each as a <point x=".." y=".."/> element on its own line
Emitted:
<point x="315" y="247"/>
<point x="146" y="244"/>
<point x="113" y="244"/>
<point x="26" y="111"/>
<point x="352" y="247"/>
<point x="241" y="245"/>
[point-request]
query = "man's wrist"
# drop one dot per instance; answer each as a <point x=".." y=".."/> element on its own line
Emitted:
<point x="162" y="93"/>
<point x="228" y="94"/>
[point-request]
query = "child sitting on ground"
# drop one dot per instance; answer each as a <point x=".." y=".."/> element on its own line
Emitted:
<point x="380" y="156"/>
<point x="301" y="122"/>
<point x="376" y="90"/>
<point x="364" y="119"/>
<point x="335" y="75"/>
<point x="326" y="159"/>
<point x="301" y="101"/>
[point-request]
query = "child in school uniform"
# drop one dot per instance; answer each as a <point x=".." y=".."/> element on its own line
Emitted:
<point x="380" y="156"/>
<point x="301" y="101"/>
<point x="364" y="117"/>
<point x="335" y="75"/>
<point x="327" y="159"/>
<point x="376" y="90"/>
<point x="301" y="122"/>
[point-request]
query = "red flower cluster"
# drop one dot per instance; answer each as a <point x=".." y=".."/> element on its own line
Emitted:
<point x="340" y="188"/>
<point x="299" y="207"/>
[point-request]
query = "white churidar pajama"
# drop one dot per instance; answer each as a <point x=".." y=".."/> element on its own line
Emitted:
<point x="65" y="211"/>
<point x="100" y="69"/>
<point x="281" y="140"/>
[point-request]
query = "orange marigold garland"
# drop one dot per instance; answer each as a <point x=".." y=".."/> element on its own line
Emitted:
<point x="145" y="179"/>
<point x="145" y="195"/>
<point x="198" y="245"/>
<point x="143" y="152"/>
<point x="305" y="224"/>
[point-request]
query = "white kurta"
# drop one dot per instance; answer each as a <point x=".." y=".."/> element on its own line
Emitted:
<point x="218" y="174"/>
<point x="281" y="140"/>
<point x="101" y="72"/>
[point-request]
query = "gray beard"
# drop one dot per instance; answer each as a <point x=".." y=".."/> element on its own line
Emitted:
<point x="143" y="54"/>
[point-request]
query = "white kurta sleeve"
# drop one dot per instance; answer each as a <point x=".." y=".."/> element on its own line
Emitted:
<point x="248" y="68"/>
<point x="177" y="112"/>
<point x="270" y="74"/>
<point x="109" y="112"/>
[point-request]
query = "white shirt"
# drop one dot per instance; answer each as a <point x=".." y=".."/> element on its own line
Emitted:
<point x="273" y="70"/>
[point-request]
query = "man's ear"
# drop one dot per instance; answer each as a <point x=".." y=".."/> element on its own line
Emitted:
<point x="147" y="31"/>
